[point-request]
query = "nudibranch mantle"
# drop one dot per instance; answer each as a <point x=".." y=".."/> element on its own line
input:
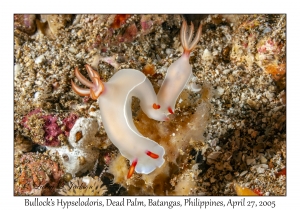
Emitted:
<point x="115" y="108"/>
<point x="179" y="72"/>
<point x="144" y="154"/>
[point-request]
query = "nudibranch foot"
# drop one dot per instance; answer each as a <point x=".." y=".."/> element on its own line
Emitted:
<point x="96" y="86"/>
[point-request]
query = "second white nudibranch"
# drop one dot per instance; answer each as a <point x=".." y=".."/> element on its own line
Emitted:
<point x="114" y="98"/>
<point x="179" y="72"/>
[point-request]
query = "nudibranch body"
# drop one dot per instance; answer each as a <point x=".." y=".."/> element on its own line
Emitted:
<point x="115" y="107"/>
<point x="179" y="72"/>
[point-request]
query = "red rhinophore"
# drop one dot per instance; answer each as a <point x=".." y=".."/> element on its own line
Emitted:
<point x="156" y="106"/>
<point x="131" y="169"/>
<point x="152" y="155"/>
<point x="170" y="110"/>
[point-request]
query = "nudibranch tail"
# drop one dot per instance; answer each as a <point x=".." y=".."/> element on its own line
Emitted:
<point x="96" y="86"/>
<point x="131" y="169"/>
<point x="186" y="37"/>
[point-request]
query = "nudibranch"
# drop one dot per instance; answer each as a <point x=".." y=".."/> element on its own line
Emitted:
<point x="114" y="98"/>
<point x="179" y="72"/>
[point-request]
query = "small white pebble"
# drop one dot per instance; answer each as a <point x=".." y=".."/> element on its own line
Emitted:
<point x="226" y="71"/>
<point x="207" y="56"/>
<point x="39" y="59"/>
<point x="263" y="160"/>
<point x="250" y="161"/>
<point x="258" y="97"/>
<point x="17" y="69"/>
<point x="269" y="95"/>
<point x="243" y="173"/>
<point x="79" y="55"/>
<point x="260" y="170"/>
<point x="195" y="87"/>
<point x="39" y="83"/>
<point x="36" y="95"/>
<point x="220" y="90"/>
<point x="72" y="50"/>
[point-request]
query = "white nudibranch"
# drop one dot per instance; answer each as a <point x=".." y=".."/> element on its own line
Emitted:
<point x="179" y="72"/>
<point x="143" y="153"/>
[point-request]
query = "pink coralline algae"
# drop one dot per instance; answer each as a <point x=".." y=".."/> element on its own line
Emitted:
<point x="45" y="129"/>
<point x="269" y="46"/>
<point x="146" y="24"/>
<point x="25" y="23"/>
<point x="37" y="174"/>
<point x="52" y="130"/>
<point x="26" y="118"/>
<point x="130" y="34"/>
<point x="69" y="123"/>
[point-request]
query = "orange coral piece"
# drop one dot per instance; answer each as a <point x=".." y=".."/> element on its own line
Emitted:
<point x="130" y="33"/>
<point x="281" y="172"/>
<point x="149" y="69"/>
<point x="277" y="71"/>
<point x="258" y="192"/>
<point x="244" y="191"/>
<point x="39" y="175"/>
<point x="119" y="20"/>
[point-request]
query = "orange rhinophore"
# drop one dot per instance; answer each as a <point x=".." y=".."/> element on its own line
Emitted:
<point x="131" y="169"/>
<point x="96" y="86"/>
<point x="152" y="155"/>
